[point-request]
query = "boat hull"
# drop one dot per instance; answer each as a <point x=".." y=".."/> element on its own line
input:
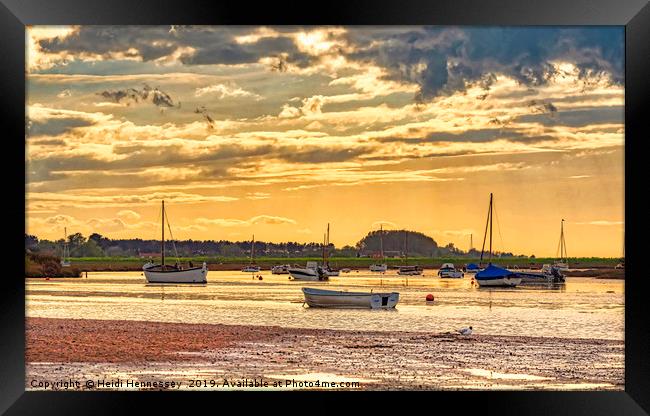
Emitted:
<point x="378" y="268"/>
<point x="409" y="272"/>
<point x="193" y="275"/>
<point x="317" y="298"/>
<point x="508" y="281"/>
<point x="279" y="270"/>
<point x="250" y="269"/>
<point x="304" y="274"/>
<point x="450" y="274"/>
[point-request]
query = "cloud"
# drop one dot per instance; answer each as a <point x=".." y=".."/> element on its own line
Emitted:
<point x="601" y="223"/>
<point x="133" y="95"/>
<point x="579" y="176"/>
<point x="442" y="60"/>
<point x="225" y="90"/>
<point x="127" y="214"/>
<point x="64" y="93"/>
<point x="385" y="223"/>
<point x="259" y="219"/>
<point x="257" y="195"/>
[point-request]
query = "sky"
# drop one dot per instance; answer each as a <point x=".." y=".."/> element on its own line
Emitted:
<point x="277" y="131"/>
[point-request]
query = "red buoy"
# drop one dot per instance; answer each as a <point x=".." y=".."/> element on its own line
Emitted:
<point x="429" y="297"/>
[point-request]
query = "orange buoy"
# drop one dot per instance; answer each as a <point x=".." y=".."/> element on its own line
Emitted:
<point x="429" y="297"/>
<point x="47" y="278"/>
<point x="259" y="277"/>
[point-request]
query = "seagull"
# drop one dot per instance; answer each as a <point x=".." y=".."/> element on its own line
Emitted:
<point x="465" y="331"/>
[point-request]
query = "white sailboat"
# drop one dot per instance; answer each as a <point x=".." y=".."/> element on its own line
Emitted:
<point x="493" y="275"/>
<point x="65" y="259"/>
<point x="326" y="259"/>
<point x="380" y="267"/>
<point x="408" y="270"/>
<point x="562" y="264"/>
<point x="251" y="268"/>
<point x="320" y="298"/>
<point x="165" y="273"/>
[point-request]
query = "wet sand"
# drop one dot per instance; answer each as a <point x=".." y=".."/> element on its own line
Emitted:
<point x="59" y="349"/>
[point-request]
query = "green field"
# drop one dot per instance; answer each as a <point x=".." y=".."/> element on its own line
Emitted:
<point x="225" y="263"/>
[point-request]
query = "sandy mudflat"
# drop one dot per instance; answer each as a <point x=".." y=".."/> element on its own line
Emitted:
<point x="81" y="349"/>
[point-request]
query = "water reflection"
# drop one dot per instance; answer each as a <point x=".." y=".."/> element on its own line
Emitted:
<point x="581" y="308"/>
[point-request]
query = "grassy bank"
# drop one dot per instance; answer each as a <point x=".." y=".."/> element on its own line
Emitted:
<point x="236" y="263"/>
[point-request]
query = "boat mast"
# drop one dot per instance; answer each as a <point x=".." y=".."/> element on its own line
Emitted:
<point x="162" y="244"/>
<point x="65" y="241"/>
<point x="327" y="245"/>
<point x="252" y="250"/>
<point x="563" y="253"/>
<point x="381" y="241"/>
<point x="491" y="228"/>
<point x="487" y="223"/>
<point x="406" y="248"/>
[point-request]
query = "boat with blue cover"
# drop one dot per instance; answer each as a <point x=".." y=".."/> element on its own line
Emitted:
<point x="494" y="275"/>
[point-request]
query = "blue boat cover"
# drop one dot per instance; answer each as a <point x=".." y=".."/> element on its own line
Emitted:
<point x="493" y="272"/>
<point x="472" y="266"/>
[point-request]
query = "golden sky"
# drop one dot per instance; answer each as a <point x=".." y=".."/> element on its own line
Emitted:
<point x="277" y="131"/>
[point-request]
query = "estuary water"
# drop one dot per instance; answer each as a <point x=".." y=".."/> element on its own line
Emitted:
<point x="584" y="307"/>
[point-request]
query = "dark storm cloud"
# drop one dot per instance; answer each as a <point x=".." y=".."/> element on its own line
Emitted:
<point x="578" y="118"/>
<point x="320" y="154"/>
<point x="471" y="136"/>
<point x="212" y="45"/>
<point x="443" y="60"/>
<point x="55" y="126"/>
<point x="440" y="60"/>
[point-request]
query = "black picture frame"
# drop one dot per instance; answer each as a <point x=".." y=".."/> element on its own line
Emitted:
<point x="633" y="14"/>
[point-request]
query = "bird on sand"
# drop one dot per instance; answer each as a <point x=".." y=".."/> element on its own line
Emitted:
<point x="465" y="331"/>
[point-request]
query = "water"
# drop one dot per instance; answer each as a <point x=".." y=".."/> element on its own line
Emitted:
<point x="582" y="308"/>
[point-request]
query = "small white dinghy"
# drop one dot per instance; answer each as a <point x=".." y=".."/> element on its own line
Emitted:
<point x="320" y="298"/>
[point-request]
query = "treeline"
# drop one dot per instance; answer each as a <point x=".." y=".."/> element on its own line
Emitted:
<point x="397" y="242"/>
<point x="394" y="243"/>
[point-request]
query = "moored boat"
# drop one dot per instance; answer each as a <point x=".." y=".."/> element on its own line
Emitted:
<point x="448" y="270"/>
<point x="497" y="276"/>
<point x="492" y="275"/>
<point x="562" y="264"/>
<point x="280" y="269"/>
<point x="380" y="267"/>
<point x="320" y="298"/>
<point x="251" y="267"/>
<point x="409" y="270"/>
<point x="551" y="276"/>
<point x="165" y="273"/>
<point x="311" y="272"/>
<point x="472" y="268"/>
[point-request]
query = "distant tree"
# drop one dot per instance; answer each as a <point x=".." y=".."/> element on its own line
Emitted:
<point x="88" y="249"/>
<point x="76" y="239"/>
<point x="31" y="241"/>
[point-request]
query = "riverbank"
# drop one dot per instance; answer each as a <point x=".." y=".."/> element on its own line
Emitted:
<point x="80" y="349"/>
<point x="596" y="267"/>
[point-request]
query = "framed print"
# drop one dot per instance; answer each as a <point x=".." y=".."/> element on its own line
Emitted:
<point x="412" y="197"/>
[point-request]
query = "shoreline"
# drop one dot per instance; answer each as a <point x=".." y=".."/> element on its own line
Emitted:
<point x="595" y="272"/>
<point x="60" y="348"/>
